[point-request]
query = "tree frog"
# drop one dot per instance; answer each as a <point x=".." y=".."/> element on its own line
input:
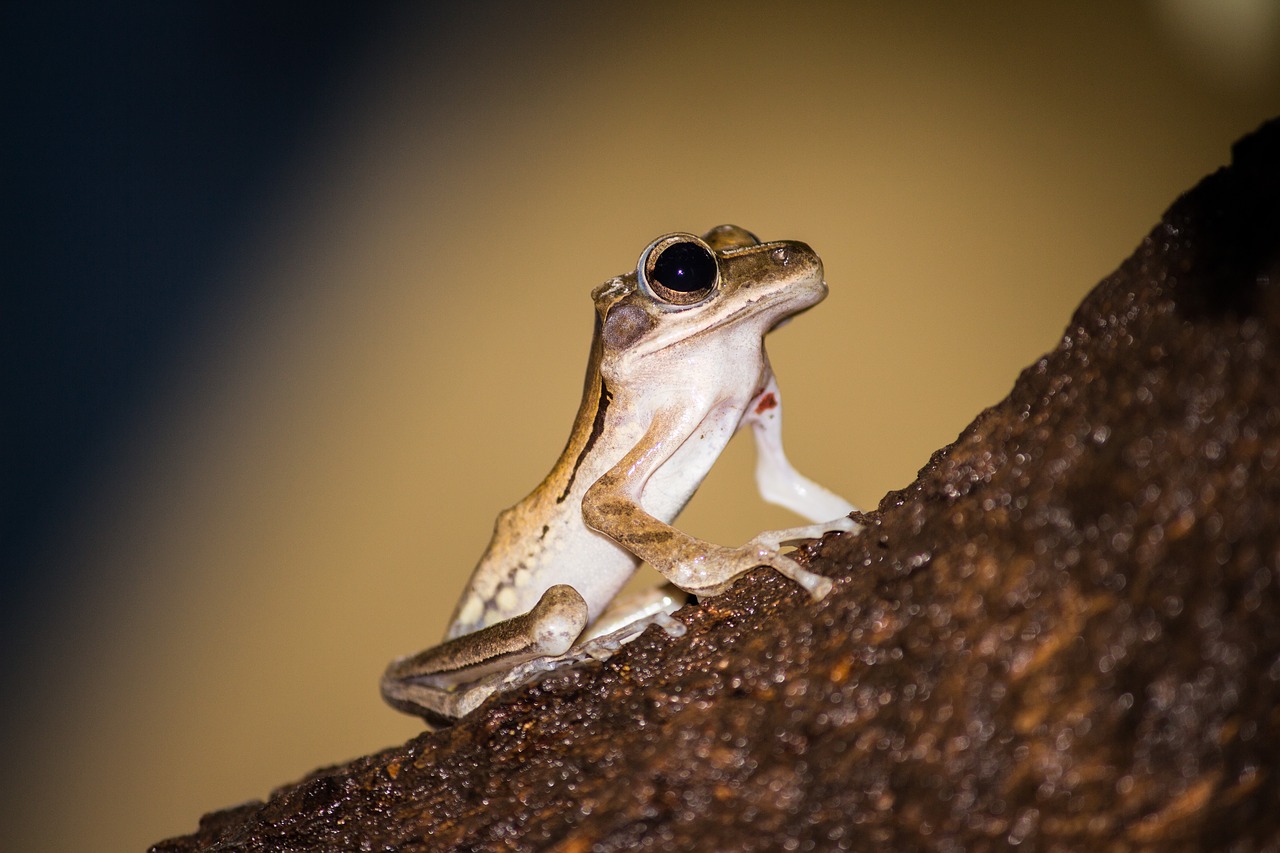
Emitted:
<point x="677" y="366"/>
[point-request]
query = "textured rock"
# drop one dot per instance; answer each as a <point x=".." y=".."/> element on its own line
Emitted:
<point x="1065" y="633"/>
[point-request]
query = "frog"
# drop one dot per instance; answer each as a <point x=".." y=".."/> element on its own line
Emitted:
<point x="677" y="367"/>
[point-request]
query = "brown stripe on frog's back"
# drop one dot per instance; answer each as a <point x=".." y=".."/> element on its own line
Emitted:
<point x="618" y="326"/>
<point x="597" y="427"/>
<point x="587" y="425"/>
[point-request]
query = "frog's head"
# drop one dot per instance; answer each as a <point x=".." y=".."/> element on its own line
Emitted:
<point x="722" y="286"/>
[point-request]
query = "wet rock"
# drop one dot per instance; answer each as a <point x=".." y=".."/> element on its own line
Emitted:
<point x="1065" y="634"/>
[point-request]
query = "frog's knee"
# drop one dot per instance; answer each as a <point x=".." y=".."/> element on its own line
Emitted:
<point x="558" y="619"/>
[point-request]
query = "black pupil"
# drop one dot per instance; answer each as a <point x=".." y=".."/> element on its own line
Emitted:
<point x="685" y="267"/>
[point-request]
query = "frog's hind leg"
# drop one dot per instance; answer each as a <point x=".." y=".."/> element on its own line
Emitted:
<point x="449" y="680"/>
<point x="629" y="616"/>
<point x="623" y="621"/>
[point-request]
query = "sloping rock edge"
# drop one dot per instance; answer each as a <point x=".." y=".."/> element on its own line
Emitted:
<point x="1064" y="635"/>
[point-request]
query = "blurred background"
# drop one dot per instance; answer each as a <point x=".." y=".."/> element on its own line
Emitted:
<point x="298" y="300"/>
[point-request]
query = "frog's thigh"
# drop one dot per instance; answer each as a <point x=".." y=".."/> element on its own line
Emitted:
<point x="623" y="621"/>
<point x="450" y="679"/>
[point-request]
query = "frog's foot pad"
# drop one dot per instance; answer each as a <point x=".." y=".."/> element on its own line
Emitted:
<point x="769" y="544"/>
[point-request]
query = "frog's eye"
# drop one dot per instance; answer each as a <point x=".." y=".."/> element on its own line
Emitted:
<point x="679" y="269"/>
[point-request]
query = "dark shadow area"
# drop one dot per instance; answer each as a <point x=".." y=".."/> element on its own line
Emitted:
<point x="141" y="145"/>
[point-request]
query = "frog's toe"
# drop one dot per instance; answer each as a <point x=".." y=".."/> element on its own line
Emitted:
<point x="843" y="524"/>
<point x="815" y="584"/>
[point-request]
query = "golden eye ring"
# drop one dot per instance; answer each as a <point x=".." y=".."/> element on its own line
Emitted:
<point x="679" y="269"/>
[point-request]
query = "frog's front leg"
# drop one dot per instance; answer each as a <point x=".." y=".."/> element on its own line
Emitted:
<point x="449" y="680"/>
<point x="612" y="506"/>
<point x="779" y="483"/>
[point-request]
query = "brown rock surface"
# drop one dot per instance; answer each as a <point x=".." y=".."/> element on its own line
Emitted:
<point x="1065" y="633"/>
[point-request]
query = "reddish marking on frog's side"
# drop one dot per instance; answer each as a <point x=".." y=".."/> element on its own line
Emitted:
<point x="767" y="402"/>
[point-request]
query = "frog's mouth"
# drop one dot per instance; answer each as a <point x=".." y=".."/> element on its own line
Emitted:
<point x="794" y="314"/>
<point x="743" y="313"/>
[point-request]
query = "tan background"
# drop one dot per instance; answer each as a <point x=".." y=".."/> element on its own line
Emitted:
<point x="306" y="499"/>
